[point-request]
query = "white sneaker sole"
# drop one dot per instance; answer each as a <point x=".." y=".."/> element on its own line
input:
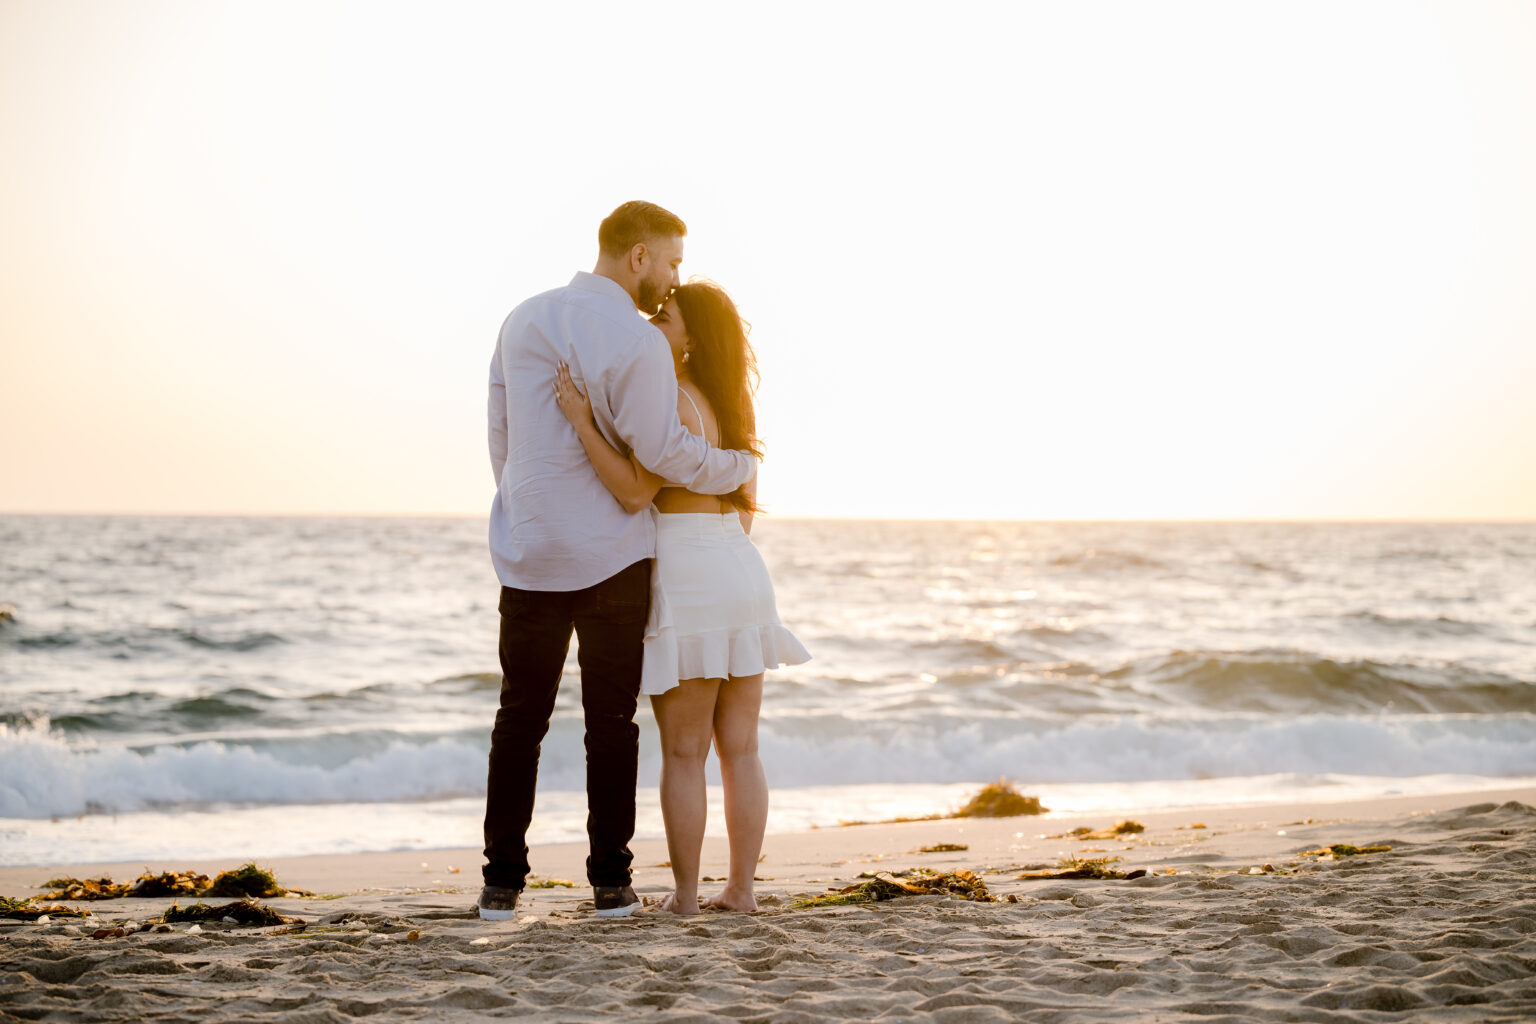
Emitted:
<point x="619" y="911"/>
<point x="496" y="915"/>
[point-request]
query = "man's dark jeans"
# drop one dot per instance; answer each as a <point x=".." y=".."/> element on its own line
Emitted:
<point x="609" y="619"/>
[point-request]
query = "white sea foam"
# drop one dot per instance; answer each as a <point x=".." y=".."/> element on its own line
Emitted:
<point x="1123" y="748"/>
<point x="43" y="775"/>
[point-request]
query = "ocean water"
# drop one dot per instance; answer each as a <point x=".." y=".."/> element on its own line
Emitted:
<point x="208" y="687"/>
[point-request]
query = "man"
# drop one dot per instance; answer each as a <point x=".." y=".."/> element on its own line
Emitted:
<point x="567" y="554"/>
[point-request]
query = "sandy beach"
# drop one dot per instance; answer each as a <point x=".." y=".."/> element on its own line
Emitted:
<point x="1233" y="922"/>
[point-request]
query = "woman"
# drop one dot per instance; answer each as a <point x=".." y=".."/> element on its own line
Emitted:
<point x="713" y="627"/>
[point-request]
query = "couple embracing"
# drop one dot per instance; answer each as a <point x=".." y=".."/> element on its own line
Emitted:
<point x="625" y="457"/>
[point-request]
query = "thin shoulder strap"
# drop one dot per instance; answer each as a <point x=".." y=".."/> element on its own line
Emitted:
<point x="684" y="392"/>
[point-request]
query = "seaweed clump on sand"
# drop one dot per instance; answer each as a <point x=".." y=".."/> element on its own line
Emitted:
<point x="1000" y="799"/>
<point x="1343" y="850"/>
<point x="1118" y="830"/>
<point x="1083" y="867"/>
<point x="185" y="883"/>
<point x="943" y="848"/>
<point x="551" y="883"/>
<point x="27" y="910"/>
<point x="965" y="884"/>
<point x="246" y="880"/>
<point x="168" y="883"/>
<point x="82" y="889"/>
<point x="243" y="912"/>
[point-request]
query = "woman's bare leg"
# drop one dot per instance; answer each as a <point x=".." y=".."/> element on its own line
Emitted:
<point x="684" y="718"/>
<point x="746" y="787"/>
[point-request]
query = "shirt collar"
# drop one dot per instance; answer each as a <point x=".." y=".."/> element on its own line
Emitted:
<point x="603" y="286"/>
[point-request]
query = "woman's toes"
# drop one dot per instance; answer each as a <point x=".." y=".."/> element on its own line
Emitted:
<point x="672" y="905"/>
<point x="740" y="906"/>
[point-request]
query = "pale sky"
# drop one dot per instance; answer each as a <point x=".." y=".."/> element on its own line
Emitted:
<point x="1012" y="260"/>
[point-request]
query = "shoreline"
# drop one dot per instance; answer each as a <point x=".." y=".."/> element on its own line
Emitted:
<point x="329" y="872"/>
<point x="209" y="834"/>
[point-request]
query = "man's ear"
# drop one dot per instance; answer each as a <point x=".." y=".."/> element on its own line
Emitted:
<point x="637" y="255"/>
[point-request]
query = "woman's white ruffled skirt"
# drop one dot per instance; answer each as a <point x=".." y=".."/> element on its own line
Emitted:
<point x="712" y="610"/>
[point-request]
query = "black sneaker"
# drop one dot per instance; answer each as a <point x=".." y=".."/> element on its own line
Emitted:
<point x="497" y="904"/>
<point x="615" y="900"/>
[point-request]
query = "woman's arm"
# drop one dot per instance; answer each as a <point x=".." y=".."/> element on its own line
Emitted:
<point x="750" y="488"/>
<point x="628" y="481"/>
<point x="636" y="393"/>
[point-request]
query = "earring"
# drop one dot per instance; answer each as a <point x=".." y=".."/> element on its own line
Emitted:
<point x="686" y="354"/>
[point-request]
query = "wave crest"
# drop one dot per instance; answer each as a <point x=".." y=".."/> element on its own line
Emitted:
<point x="1293" y="682"/>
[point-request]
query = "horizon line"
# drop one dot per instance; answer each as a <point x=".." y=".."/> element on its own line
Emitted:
<point x="1342" y="520"/>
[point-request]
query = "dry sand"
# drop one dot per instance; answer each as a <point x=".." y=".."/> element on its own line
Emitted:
<point x="1441" y="928"/>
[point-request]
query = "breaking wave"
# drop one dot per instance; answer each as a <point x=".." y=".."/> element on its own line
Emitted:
<point x="43" y="774"/>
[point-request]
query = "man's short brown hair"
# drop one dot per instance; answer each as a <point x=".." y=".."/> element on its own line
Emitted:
<point x="635" y="222"/>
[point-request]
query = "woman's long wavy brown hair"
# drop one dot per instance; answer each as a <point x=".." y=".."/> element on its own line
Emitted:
<point x="721" y="362"/>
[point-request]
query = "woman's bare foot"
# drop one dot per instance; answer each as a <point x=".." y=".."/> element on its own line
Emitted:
<point x="742" y="903"/>
<point x="683" y="908"/>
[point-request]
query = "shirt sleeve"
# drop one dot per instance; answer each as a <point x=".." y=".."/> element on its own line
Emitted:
<point x="496" y="417"/>
<point x="643" y="400"/>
